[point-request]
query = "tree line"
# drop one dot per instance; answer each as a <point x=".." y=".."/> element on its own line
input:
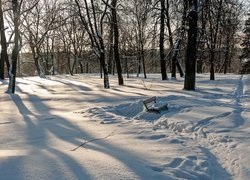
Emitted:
<point x="116" y="36"/>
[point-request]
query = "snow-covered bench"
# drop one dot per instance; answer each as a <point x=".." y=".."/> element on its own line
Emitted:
<point x="151" y="105"/>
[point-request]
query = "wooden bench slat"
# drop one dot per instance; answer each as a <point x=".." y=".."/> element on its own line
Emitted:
<point x="149" y="100"/>
<point x="154" y="109"/>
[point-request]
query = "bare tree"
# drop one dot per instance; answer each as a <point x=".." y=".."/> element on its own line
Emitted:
<point x="94" y="27"/>
<point x="38" y="24"/>
<point x="141" y="19"/>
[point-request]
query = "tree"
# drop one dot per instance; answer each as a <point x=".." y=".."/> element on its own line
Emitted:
<point x="214" y="15"/>
<point x="116" y="41"/>
<point x="230" y="24"/>
<point x="201" y="39"/>
<point x="245" y="56"/>
<point x="179" y="41"/>
<point x="93" y="24"/>
<point x="15" y="51"/>
<point x="190" y="62"/>
<point x="4" y="54"/>
<point x="141" y="9"/>
<point x="74" y="42"/>
<point x="42" y="19"/>
<point x="162" y="30"/>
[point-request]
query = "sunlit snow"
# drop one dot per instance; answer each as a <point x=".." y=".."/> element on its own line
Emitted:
<point x="203" y="135"/>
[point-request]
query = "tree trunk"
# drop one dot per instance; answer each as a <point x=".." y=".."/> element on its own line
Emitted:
<point x="95" y="33"/>
<point x="176" y="49"/>
<point x="227" y="54"/>
<point x="69" y="64"/>
<point x="126" y="62"/>
<point x="212" y="76"/>
<point x="111" y="48"/>
<point x="116" y="43"/>
<point x="4" y="55"/>
<point x="143" y="63"/>
<point x="139" y="65"/>
<point x="191" y="49"/>
<point x="214" y="38"/>
<point x="171" y="41"/>
<point x="162" y="54"/>
<point x="105" y="71"/>
<point x="12" y="81"/>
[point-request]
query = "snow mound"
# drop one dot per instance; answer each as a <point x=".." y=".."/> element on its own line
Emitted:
<point x="197" y="121"/>
<point x="128" y="111"/>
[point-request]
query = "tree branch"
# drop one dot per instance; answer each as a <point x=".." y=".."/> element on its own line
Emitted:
<point x="92" y="140"/>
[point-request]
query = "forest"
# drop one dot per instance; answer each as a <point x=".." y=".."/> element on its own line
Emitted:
<point x="49" y="37"/>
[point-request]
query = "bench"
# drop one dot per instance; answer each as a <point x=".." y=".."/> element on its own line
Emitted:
<point x="150" y="105"/>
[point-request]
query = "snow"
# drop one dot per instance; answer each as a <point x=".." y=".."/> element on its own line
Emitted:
<point x="204" y="134"/>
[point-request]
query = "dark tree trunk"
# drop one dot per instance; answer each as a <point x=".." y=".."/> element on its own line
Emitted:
<point x="143" y="63"/>
<point x="191" y="49"/>
<point x="212" y="54"/>
<point x="12" y="81"/>
<point x="69" y="64"/>
<point x="214" y="38"/>
<point x="35" y="54"/>
<point x="4" y="55"/>
<point x="116" y="43"/>
<point x="111" y="48"/>
<point x="81" y="67"/>
<point x="87" y="67"/>
<point x="105" y="71"/>
<point x="139" y="66"/>
<point x="174" y="58"/>
<point x="162" y="54"/>
<point x="126" y="62"/>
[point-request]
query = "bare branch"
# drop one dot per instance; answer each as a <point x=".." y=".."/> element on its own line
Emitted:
<point x="92" y="140"/>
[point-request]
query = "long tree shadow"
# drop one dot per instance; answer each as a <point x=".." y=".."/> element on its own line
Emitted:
<point x="37" y="136"/>
<point x="40" y="125"/>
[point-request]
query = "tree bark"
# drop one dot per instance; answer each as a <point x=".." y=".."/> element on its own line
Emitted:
<point x="4" y="55"/>
<point x="191" y="49"/>
<point x="162" y="54"/>
<point x="116" y="43"/>
<point x="15" y="52"/>
<point x="111" y="48"/>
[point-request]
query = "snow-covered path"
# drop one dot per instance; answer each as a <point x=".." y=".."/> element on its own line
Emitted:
<point x="203" y="135"/>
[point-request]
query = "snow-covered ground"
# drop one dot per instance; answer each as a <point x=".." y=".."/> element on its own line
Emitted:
<point x="203" y="135"/>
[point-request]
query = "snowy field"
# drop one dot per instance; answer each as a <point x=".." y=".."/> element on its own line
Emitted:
<point x="205" y="134"/>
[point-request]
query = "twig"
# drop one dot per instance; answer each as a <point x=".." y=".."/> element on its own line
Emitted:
<point x="92" y="140"/>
